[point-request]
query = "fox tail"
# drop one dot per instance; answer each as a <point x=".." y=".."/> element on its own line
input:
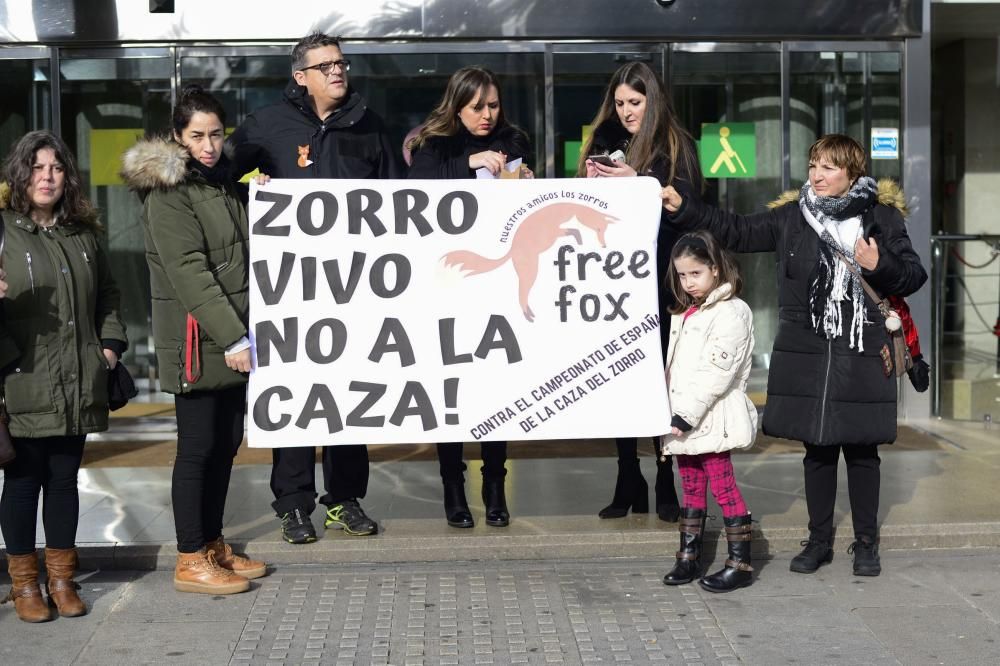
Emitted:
<point x="471" y="263"/>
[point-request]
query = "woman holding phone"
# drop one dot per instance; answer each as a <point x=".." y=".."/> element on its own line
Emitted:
<point x="639" y="132"/>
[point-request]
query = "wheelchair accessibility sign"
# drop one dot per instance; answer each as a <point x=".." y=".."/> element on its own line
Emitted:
<point x="885" y="143"/>
<point x="728" y="150"/>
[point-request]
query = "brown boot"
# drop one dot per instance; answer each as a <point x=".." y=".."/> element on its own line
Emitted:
<point x="24" y="590"/>
<point x="239" y="564"/>
<point x="60" y="563"/>
<point x="199" y="572"/>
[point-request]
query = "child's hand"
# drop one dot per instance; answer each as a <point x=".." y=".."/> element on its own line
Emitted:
<point x="676" y="432"/>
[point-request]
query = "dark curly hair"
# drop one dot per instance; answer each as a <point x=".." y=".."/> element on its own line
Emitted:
<point x="74" y="206"/>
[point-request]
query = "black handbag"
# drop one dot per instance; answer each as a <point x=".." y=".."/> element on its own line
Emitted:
<point x="121" y="388"/>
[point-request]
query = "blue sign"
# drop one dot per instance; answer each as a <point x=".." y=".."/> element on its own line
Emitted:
<point x="885" y="143"/>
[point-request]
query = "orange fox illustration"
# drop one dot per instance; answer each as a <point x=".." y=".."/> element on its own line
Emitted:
<point x="304" y="160"/>
<point x="537" y="233"/>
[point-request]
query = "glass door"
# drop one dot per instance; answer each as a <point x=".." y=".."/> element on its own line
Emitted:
<point x="857" y="92"/>
<point x="27" y="94"/>
<point x="110" y="98"/>
<point x="729" y="97"/>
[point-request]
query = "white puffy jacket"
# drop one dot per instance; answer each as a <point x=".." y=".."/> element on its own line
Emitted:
<point x="708" y="364"/>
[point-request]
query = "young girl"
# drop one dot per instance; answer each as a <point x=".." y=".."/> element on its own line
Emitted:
<point x="708" y="363"/>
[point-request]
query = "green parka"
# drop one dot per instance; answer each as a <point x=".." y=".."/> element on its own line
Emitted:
<point x="60" y="310"/>
<point x="196" y="247"/>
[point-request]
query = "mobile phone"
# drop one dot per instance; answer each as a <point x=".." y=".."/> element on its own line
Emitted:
<point x="603" y="159"/>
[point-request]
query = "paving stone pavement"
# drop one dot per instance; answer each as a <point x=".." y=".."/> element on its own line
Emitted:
<point x="928" y="607"/>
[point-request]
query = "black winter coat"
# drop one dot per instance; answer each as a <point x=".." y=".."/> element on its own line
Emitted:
<point x="820" y="391"/>
<point x="350" y="143"/>
<point x="443" y="157"/>
<point x="610" y="136"/>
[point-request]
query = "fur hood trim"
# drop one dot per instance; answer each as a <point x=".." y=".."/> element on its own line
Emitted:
<point x="154" y="164"/>
<point x="4" y="195"/>
<point x="889" y="194"/>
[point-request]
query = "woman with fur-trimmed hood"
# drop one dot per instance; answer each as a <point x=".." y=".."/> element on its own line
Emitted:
<point x="828" y="385"/>
<point x="196" y="246"/>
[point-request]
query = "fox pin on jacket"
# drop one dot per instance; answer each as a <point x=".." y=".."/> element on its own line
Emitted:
<point x="196" y="246"/>
<point x="820" y="390"/>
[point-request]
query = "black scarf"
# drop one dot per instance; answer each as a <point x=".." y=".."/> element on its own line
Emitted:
<point x="220" y="174"/>
<point x="838" y="223"/>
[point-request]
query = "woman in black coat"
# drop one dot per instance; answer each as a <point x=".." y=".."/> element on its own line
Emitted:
<point x="465" y="132"/>
<point x="828" y="385"/>
<point x="637" y="121"/>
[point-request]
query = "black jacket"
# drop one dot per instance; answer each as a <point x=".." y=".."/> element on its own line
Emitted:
<point x="820" y="391"/>
<point x="610" y="136"/>
<point x="448" y="156"/>
<point x="350" y="143"/>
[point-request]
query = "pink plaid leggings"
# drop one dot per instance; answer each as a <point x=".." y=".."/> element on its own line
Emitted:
<point x="715" y="469"/>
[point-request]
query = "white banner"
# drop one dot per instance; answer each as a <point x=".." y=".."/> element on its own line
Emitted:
<point x="440" y="311"/>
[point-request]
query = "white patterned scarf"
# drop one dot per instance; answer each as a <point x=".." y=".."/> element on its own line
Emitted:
<point x="837" y="222"/>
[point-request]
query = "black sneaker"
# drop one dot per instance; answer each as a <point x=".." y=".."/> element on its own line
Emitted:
<point x="866" y="559"/>
<point x="297" y="528"/>
<point x="814" y="554"/>
<point x="350" y="517"/>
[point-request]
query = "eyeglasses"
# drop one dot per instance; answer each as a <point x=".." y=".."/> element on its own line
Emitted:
<point x="326" y="68"/>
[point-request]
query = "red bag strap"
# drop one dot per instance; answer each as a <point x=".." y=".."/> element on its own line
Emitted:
<point x="192" y="351"/>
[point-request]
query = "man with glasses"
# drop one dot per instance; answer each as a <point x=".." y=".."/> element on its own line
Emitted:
<point x="320" y="129"/>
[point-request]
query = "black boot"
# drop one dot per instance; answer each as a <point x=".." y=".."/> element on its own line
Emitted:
<point x="816" y="553"/>
<point x="688" y="566"/>
<point x="495" y="502"/>
<point x="456" y="508"/>
<point x="737" y="573"/>
<point x="631" y="491"/>
<point x="866" y="559"/>
<point x="667" y="507"/>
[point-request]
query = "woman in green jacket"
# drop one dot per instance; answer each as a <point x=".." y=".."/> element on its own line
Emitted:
<point x="196" y="247"/>
<point x="60" y="333"/>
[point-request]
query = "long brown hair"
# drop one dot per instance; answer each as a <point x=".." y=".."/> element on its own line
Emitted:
<point x="463" y="86"/>
<point x="703" y="248"/>
<point x="660" y="133"/>
<point x="73" y="206"/>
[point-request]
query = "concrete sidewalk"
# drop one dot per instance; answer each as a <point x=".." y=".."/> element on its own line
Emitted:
<point x="927" y="608"/>
<point x="940" y="495"/>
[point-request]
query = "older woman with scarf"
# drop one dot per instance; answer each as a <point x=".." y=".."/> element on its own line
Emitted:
<point x="830" y="384"/>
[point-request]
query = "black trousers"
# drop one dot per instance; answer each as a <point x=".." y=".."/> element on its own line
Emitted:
<point x="293" y="476"/>
<point x="863" y="478"/>
<point x="49" y="465"/>
<point x="452" y="468"/>
<point x="209" y="433"/>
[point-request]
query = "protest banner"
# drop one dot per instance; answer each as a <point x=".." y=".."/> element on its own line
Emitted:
<point x="438" y="311"/>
